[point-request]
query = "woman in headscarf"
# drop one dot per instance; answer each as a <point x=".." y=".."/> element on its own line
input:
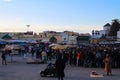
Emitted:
<point x="108" y="64"/>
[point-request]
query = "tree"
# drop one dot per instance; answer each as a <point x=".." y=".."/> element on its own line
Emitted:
<point x="53" y="39"/>
<point x="7" y="37"/>
<point x="103" y="36"/>
<point x="114" y="27"/>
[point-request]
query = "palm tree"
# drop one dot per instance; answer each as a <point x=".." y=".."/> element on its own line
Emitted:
<point x="114" y="27"/>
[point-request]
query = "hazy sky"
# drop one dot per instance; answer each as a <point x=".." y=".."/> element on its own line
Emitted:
<point x="74" y="15"/>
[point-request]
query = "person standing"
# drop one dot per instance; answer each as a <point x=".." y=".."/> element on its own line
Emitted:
<point x="44" y="56"/>
<point x="3" y="56"/>
<point x="108" y="64"/>
<point x="60" y="66"/>
<point x="32" y="51"/>
<point x="79" y="58"/>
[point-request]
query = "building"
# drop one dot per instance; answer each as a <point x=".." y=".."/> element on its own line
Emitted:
<point x="83" y="39"/>
<point x="97" y="34"/>
<point x="118" y="35"/>
<point x="69" y="37"/>
<point x="46" y="35"/>
<point x="66" y="37"/>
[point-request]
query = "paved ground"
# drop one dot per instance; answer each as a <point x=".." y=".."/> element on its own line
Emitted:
<point x="19" y="70"/>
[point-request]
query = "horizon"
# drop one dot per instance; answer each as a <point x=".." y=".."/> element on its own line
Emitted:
<point x="80" y="16"/>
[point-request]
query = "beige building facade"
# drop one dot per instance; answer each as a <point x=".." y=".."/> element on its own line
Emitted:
<point x="66" y="37"/>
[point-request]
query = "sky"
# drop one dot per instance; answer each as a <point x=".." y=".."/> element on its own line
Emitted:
<point x="81" y="16"/>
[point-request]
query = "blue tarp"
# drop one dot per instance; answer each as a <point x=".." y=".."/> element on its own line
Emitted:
<point x="3" y="42"/>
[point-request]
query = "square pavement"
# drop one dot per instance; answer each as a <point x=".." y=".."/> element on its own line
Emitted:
<point x="19" y="70"/>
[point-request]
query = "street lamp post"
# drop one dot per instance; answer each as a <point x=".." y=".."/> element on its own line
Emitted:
<point x="28" y="28"/>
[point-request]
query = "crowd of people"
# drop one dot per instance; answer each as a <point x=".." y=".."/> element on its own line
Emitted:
<point x="90" y="56"/>
<point x="85" y="55"/>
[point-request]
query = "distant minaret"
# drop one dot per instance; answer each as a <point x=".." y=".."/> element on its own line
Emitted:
<point x="28" y="28"/>
<point x="106" y="27"/>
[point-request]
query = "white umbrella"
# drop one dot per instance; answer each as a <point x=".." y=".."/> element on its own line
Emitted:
<point x="59" y="47"/>
<point x="53" y="44"/>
